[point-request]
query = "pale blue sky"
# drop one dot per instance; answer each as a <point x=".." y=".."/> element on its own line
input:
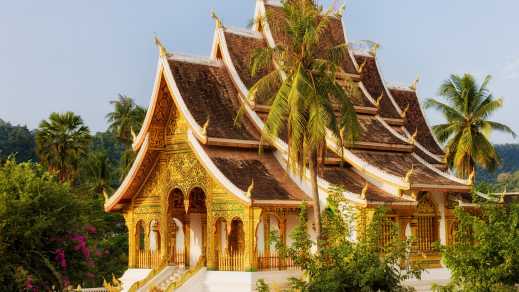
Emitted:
<point x="59" y="55"/>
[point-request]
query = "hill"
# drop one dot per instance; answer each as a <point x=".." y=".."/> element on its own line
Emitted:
<point x="18" y="140"/>
<point x="509" y="154"/>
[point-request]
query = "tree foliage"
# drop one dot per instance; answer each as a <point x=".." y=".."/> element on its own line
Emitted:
<point x="126" y="119"/>
<point x="52" y="236"/>
<point x="342" y="264"/>
<point x="303" y="90"/>
<point x="18" y="141"/>
<point x="485" y="256"/>
<point x="467" y="130"/>
<point x="62" y="141"/>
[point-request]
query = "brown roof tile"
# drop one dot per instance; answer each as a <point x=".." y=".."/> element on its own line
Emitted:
<point x="271" y="182"/>
<point x="415" y="119"/>
<point x="210" y="94"/>
<point x="371" y="78"/>
<point x="399" y="164"/>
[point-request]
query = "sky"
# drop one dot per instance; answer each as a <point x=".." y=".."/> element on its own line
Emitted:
<point x="77" y="55"/>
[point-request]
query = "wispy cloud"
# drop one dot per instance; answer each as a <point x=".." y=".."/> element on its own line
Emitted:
<point x="511" y="68"/>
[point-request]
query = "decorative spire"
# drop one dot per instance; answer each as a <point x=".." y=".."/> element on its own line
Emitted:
<point x="364" y="191"/>
<point x="341" y="10"/>
<point x="415" y="84"/>
<point x="162" y="50"/>
<point x="502" y="196"/>
<point x="134" y="137"/>
<point x="361" y="67"/>
<point x="412" y="140"/>
<point x="204" y="128"/>
<point x="217" y="19"/>
<point x="472" y="177"/>
<point x="105" y="195"/>
<point x="408" y="175"/>
<point x="249" y="189"/>
<point x="379" y="99"/>
<point x="403" y="115"/>
<point x="374" y="48"/>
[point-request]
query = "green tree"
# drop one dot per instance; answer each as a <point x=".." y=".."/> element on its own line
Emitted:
<point x="306" y="91"/>
<point x="37" y="217"/>
<point x="126" y="119"/>
<point x="61" y="141"/>
<point x="466" y="132"/>
<point x="16" y="140"/>
<point x="98" y="172"/>
<point x="342" y="264"/>
<point x="485" y="255"/>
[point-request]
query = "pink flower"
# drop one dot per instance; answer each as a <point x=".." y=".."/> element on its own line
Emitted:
<point x="81" y="245"/>
<point x="60" y="258"/>
<point x="28" y="283"/>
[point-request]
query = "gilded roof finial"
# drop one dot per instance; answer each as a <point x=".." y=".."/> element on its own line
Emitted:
<point x="502" y="196"/>
<point x="374" y="48"/>
<point x="341" y="10"/>
<point x="217" y="19"/>
<point x="413" y="137"/>
<point x="472" y="176"/>
<point x="379" y="99"/>
<point x="415" y="84"/>
<point x="162" y="49"/>
<point x="408" y="175"/>
<point x="403" y="115"/>
<point x="204" y="128"/>
<point x="105" y="195"/>
<point x="134" y="137"/>
<point x="364" y="191"/>
<point x="361" y="67"/>
<point x="249" y="189"/>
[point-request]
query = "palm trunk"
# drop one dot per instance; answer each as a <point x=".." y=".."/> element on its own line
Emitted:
<point x="315" y="195"/>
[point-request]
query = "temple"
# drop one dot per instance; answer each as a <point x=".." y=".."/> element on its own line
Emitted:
<point x="200" y="200"/>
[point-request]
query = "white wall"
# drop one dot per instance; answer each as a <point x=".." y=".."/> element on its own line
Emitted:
<point x="439" y="201"/>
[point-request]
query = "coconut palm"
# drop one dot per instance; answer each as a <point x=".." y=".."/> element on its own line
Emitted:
<point x="61" y="141"/>
<point x="467" y="131"/>
<point x="302" y="88"/>
<point x="126" y="118"/>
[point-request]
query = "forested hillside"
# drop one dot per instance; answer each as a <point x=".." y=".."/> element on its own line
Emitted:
<point x="509" y="154"/>
<point x="16" y="140"/>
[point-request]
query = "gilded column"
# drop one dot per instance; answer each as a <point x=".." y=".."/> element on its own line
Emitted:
<point x="187" y="241"/>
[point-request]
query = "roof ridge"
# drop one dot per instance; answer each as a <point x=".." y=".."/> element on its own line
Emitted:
<point x="194" y="59"/>
<point x="243" y="32"/>
<point x="400" y="87"/>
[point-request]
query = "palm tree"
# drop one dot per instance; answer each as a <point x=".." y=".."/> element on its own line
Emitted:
<point x="467" y="130"/>
<point x="305" y="96"/>
<point x="99" y="172"/>
<point x="126" y="118"/>
<point x="61" y="141"/>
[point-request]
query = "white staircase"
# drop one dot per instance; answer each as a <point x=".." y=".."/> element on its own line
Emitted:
<point x="162" y="280"/>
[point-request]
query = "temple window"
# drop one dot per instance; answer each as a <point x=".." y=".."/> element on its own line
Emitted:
<point x="427" y="225"/>
<point x="141" y="235"/>
<point x="387" y="229"/>
<point x="154" y="236"/>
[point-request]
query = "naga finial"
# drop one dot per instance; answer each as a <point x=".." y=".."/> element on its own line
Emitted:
<point x="162" y="49"/>
<point x="249" y="189"/>
<point x="204" y="128"/>
<point x="105" y="195"/>
<point x="341" y="10"/>
<point x="408" y="175"/>
<point x="403" y="115"/>
<point x="413" y="137"/>
<point x="502" y="197"/>
<point x="472" y="177"/>
<point x="364" y="191"/>
<point x="374" y="48"/>
<point x="361" y="67"/>
<point x="415" y="84"/>
<point x="134" y="136"/>
<point x="379" y="99"/>
<point x="217" y="19"/>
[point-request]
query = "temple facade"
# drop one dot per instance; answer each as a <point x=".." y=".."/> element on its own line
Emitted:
<point x="200" y="201"/>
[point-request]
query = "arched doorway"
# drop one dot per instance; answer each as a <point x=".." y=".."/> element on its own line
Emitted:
<point x="426" y="225"/>
<point x="197" y="226"/>
<point x="175" y="236"/>
<point x="140" y="246"/>
<point x="230" y="244"/>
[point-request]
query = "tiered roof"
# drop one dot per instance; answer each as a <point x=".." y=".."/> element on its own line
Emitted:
<point x="396" y="152"/>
